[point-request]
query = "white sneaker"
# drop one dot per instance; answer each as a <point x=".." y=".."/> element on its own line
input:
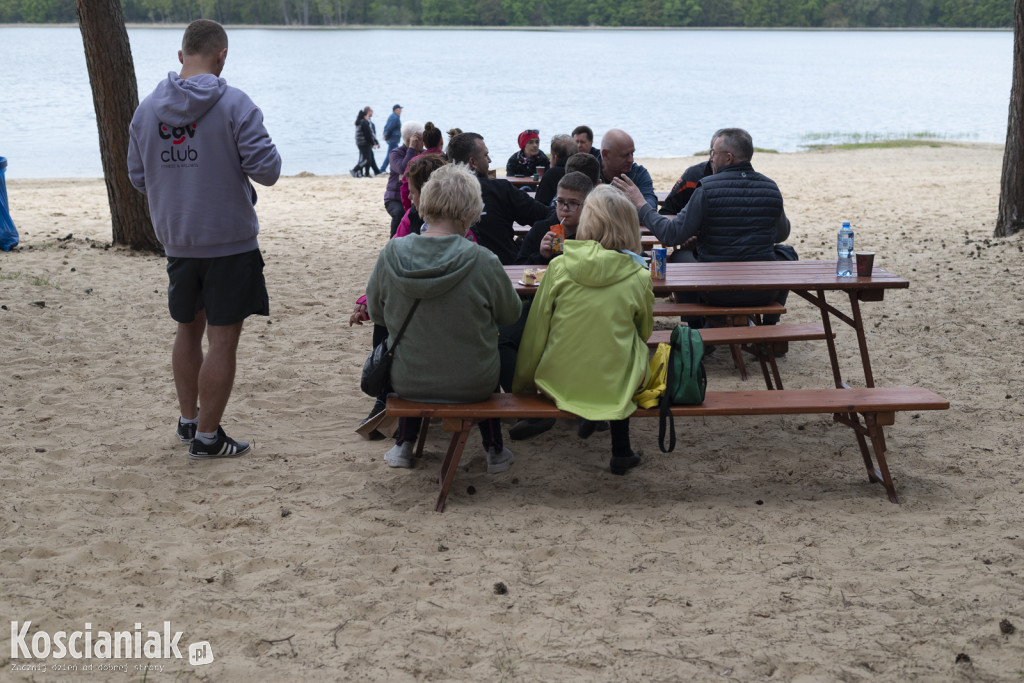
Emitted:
<point x="499" y="462"/>
<point x="400" y="455"/>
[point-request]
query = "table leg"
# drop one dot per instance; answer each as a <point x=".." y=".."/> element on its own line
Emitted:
<point x="858" y="325"/>
<point x="826" y="322"/>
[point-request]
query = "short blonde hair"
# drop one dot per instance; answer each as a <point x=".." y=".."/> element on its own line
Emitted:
<point x="610" y="218"/>
<point x="452" y="193"/>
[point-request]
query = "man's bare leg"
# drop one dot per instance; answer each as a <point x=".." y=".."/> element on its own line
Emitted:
<point x="217" y="374"/>
<point x="186" y="361"/>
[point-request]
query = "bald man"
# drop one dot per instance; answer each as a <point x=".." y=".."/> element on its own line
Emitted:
<point x="617" y="160"/>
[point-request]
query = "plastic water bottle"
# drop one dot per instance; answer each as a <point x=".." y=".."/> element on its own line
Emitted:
<point x="844" y="244"/>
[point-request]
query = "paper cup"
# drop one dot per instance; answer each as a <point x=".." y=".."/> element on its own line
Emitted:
<point x="865" y="263"/>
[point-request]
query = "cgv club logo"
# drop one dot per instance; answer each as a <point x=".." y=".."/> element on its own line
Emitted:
<point x="177" y="135"/>
<point x="87" y="644"/>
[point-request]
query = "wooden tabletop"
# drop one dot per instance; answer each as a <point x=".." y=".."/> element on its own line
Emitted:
<point x="733" y="276"/>
<point x="522" y="181"/>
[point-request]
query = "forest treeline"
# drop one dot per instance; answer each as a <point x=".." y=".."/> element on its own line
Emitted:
<point x="693" y="13"/>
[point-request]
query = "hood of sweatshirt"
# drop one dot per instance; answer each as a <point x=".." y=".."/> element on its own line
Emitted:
<point x="591" y="265"/>
<point x="180" y="102"/>
<point x="424" y="267"/>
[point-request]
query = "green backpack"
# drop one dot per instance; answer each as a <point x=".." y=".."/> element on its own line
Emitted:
<point x="686" y="382"/>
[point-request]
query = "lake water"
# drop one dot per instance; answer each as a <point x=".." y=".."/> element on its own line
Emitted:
<point x="670" y="89"/>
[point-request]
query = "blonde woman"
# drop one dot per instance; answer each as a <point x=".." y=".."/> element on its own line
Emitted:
<point x="449" y="352"/>
<point x="585" y="339"/>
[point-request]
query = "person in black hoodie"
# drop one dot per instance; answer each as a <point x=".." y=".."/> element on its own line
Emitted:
<point x="366" y="140"/>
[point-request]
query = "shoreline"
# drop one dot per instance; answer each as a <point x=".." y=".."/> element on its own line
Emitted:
<point x="759" y="156"/>
<point x="406" y="27"/>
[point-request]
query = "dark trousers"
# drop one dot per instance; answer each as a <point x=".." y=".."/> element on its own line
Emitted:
<point x="366" y="161"/>
<point x="490" y="432"/>
<point x="620" y="438"/>
<point x="509" y="337"/>
<point x="396" y="211"/>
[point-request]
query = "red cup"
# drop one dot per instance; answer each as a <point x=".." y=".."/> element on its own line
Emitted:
<point x="865" y="263"/>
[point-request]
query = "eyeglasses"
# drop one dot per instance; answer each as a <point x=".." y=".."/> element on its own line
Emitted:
<point x="532" y="130"/>
<point x="568" y="205"/>
<point x="720" y="152"/>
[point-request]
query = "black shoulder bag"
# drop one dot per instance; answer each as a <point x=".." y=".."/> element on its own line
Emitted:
<point x="376" y="378"/>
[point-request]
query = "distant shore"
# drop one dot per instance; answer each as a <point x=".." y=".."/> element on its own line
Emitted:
<point x="407" y="27"/>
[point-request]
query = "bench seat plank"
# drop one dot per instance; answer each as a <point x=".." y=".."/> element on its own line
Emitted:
<point x="877" y="405"/>
<point x="784" y="402"/>
<point x="751" y="334"/>
<point x="673" y="308"/>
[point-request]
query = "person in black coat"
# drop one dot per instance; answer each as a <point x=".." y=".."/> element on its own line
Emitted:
<point x="366" y="140"/>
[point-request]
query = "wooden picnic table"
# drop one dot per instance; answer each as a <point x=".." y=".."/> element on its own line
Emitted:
<point x="808" y="279"/>
<point x="522" y="181"/>
<point x="647" y="240"/>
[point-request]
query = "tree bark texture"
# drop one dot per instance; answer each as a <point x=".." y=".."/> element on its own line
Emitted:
<point x="1011" y="187"/>
<point x="115" y="96"/>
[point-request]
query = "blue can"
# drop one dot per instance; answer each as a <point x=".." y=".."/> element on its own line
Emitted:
<point x="658" y="257"/>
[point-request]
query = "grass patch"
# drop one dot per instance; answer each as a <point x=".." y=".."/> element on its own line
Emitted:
<point x="878" y="144"/>
<point x="839" y="140"/>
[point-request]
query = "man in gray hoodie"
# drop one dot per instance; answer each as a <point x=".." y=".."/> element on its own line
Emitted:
<point x="195" y="143"/>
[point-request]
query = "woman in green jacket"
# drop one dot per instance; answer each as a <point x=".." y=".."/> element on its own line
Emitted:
<point x="584" y="344"/>
<point x="449" y="352"/>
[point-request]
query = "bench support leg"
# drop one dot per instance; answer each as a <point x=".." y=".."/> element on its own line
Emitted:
<point x="765" y="355"/>
<point x="451" y="462"/>
<point x="871" y="429"/>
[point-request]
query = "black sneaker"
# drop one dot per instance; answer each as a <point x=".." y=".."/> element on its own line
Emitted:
<point x="584" y="427"/>
<point x="530" y="427"/>
<point x="223" y="447"/>
<point x="186" y="431"/>
<point x="623" y="465"/>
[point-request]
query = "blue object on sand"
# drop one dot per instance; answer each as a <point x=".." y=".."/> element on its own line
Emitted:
<point x="8" y="233"/>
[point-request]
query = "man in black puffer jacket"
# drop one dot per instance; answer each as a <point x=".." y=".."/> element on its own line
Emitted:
<point x="735" y="214"/>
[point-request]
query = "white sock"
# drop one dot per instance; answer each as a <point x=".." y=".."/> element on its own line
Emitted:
<point x="193" y="421"/>
<point x="209" y="438"/>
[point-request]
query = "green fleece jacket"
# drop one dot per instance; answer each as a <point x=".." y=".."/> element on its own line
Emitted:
<point x="449" y="352"/>
<point x="584" y="342"/>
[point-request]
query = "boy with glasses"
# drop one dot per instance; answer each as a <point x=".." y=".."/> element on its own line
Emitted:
<point x="538" y="245"/>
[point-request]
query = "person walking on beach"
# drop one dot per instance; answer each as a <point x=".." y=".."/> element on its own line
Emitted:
<point x="366" y="140"/>
<point x="392" y="134"/>
<point x="195" y="145"/>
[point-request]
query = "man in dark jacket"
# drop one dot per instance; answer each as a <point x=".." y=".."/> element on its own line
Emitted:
<point x="735" y="214"/>
<point x="503" y="204"/>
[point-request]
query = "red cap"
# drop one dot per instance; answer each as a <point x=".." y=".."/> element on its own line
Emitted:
<point x="526" y="136"/>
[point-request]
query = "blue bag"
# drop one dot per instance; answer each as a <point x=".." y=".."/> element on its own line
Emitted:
<point x="8" y="233"/>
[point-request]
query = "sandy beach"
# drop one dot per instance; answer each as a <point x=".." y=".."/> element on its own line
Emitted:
<point x="757" y="551"/>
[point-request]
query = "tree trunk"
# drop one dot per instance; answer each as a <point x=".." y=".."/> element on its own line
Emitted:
<point x="1011" y="187"/>
<point x="115" y="96"/>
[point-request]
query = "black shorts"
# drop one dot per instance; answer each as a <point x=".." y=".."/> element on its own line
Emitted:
<point x="229" y="288"/>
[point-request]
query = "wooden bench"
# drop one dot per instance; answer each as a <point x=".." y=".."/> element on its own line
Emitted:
<point x="866" y="411"/>
<point x="759" y="340"/>
<point x="727" y="316"/>
<point x="734" y="315"/>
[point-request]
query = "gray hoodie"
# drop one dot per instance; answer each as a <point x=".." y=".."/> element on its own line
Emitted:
<point x="449" y="352"/>
<point x="194" y="144"/>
